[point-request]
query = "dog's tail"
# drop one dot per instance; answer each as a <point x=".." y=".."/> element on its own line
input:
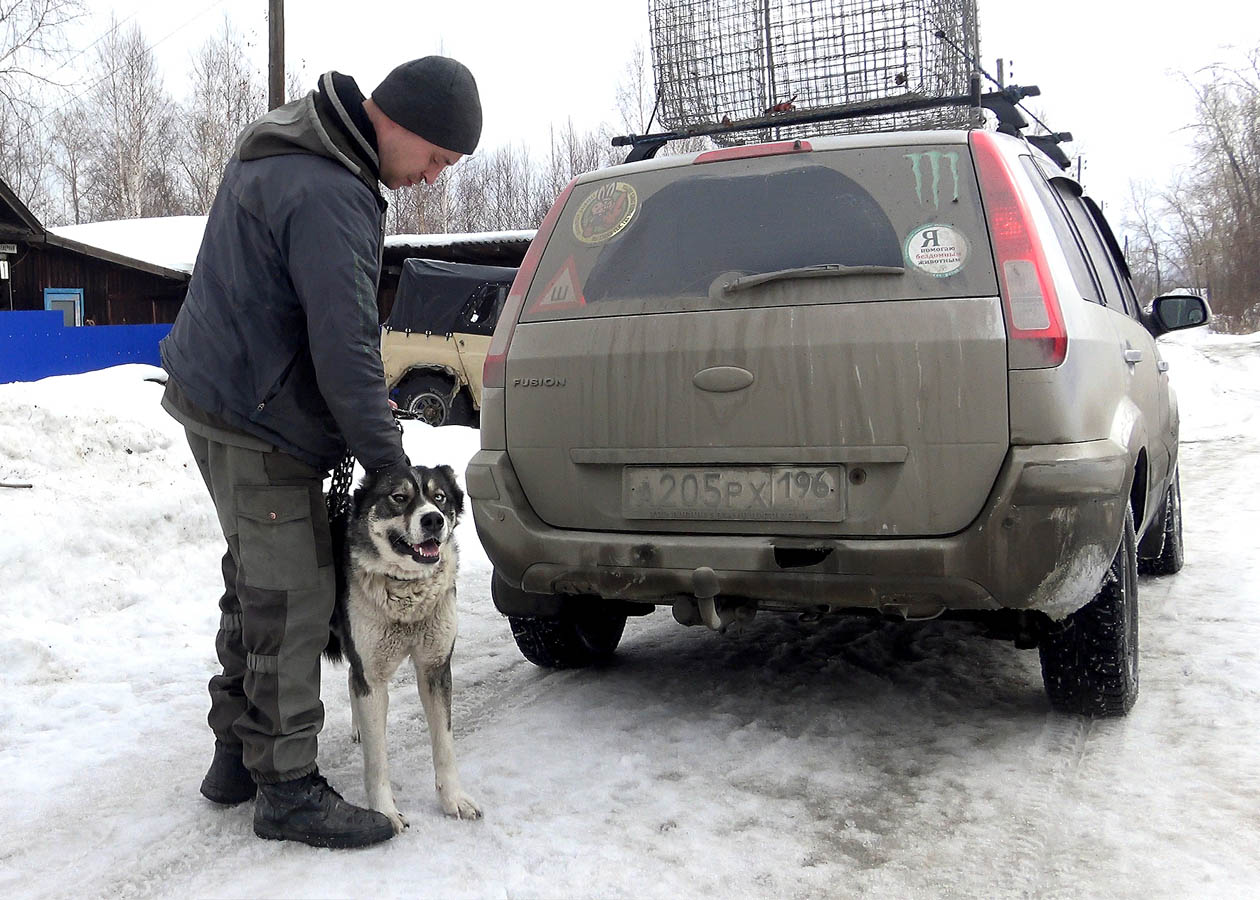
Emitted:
<point x="340" y="645"/>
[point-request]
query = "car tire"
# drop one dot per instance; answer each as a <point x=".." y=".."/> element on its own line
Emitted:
<point x="569" y="641"/>
<point x="1090" y="667"/>
<point x="427" y="398"/>
<point x="1172" y="556"/>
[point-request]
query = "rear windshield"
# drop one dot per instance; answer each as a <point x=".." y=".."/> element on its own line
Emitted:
<point x="675" y="239"/>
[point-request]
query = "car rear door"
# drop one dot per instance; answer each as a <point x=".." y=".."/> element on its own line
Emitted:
<point x="1147" y="384"/>
<point x="686" y="360"/>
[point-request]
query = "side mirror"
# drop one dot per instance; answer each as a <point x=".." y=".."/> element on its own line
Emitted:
<point x="1173" y="312"/>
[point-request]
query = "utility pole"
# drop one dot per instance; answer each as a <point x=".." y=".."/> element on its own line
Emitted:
<point x="275" y="54"/>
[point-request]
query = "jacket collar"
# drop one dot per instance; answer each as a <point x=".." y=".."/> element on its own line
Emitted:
<point x="339" y="99"/>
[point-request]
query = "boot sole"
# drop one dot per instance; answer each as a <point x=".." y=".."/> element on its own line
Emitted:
<point x="319" y="839"/>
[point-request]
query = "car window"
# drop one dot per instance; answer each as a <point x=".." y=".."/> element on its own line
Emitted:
<point x="1115" y="254"/>
<point x="663" y="240"/>
<point x="1095" y="247"/>
<point x="481" y="312"/>
<point x="1069" y="240"/>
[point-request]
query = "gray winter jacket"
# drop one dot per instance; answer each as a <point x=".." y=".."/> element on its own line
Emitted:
<point x="279" y="336"/>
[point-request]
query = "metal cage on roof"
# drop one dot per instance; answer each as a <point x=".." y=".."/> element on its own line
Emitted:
<point x="715" y="60"/>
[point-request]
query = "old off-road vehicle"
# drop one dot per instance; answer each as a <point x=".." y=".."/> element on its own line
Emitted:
<point x="434" y="342"/>
<point x="902" y="372"/>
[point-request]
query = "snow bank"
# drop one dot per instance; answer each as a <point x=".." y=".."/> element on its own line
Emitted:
<point x="848" y="758"/>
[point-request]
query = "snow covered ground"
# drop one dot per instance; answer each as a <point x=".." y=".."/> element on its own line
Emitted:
<point x="847" y="759"/>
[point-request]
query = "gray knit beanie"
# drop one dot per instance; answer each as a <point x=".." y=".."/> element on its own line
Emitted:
<point x="435" y="98"/>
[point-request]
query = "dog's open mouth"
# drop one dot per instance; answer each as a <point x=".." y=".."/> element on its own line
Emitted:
<point x="426" y="552"/>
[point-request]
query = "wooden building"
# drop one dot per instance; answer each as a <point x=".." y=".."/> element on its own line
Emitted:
<point x="44" y="270"/>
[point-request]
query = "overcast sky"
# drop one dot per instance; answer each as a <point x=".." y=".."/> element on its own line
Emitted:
<point x="1108" y="69"/>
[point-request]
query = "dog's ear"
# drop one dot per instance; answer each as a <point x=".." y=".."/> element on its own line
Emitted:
<point x="457" y="496"/>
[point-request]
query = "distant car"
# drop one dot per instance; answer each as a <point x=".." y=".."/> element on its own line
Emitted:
<point x="902" y="373"/>
<point x="434" y="342"/>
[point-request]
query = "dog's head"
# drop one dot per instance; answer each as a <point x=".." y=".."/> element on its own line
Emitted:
<point x="409" y="517"/>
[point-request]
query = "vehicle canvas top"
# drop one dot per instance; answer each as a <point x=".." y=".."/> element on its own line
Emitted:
<point x="431" y="294"/>
<point x="809" y="342"/>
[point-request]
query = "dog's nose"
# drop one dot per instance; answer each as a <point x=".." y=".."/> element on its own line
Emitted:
<point x="431" y="521"/>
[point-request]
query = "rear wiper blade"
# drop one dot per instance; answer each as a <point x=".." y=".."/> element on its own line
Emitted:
<point x="828" y="271"/>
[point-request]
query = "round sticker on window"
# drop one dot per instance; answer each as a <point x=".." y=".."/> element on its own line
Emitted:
<point x="605" y="212"/>
<point x="938" y="250"/>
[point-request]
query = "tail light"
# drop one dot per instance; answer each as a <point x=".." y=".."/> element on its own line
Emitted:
<point x="1034" y="321"/>
<point x="494" y="373"/>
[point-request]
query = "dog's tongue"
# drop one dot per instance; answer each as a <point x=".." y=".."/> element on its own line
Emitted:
<point x="428" y="548"/>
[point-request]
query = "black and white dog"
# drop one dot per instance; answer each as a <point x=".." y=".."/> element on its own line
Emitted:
<point x="396" y="600"/>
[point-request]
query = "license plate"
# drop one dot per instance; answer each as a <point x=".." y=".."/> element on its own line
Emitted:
<point x="754" y="493"/>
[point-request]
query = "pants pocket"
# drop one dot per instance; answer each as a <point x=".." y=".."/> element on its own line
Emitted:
<point x="277" y="538"/>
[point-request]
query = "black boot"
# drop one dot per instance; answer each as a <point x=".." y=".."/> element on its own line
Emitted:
<point x="227" y="781"/>
<point x="309" y="810"/>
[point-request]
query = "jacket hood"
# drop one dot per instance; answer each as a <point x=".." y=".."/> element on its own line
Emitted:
<point x="319" y="124"/>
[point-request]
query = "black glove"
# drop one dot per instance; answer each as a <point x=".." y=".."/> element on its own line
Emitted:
<point x="394" y="472"/>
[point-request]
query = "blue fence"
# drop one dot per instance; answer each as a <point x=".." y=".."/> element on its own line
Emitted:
<point x="36" y="344"/>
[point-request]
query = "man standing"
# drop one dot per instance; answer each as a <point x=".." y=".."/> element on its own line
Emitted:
<point x="274" y="370"/>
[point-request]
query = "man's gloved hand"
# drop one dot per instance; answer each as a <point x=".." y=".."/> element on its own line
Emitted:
<point x="394" y="472"/>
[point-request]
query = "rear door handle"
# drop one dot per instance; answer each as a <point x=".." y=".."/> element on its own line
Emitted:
<point x="1132" y="356"/>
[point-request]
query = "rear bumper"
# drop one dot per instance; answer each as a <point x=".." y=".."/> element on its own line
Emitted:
<point x="1042" y="542"/>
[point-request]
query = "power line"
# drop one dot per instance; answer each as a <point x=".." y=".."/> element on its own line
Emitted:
<point x="110" y="31"/>
<point x="114" y="70"/>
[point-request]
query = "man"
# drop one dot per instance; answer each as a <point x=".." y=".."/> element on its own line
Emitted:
<point x="275" y="369"/>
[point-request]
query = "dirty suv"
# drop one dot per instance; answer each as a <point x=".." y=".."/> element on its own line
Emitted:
<point x="900" y="373"/>
<point x="434" y="342"/>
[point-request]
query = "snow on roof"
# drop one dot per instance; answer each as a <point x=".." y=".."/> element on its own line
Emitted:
<point x="171" y="242"/>
<point x="449" y="240"/>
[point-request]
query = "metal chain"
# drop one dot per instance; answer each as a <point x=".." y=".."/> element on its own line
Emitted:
<point x="338" y="497"/>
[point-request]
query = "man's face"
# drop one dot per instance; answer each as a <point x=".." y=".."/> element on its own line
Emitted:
<point x="408" y="159"/>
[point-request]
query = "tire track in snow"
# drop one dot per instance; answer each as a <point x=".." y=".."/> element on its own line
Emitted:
<point x="1054" y="762"/>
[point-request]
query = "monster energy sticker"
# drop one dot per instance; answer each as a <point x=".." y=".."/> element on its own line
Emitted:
<point x="929" y="167"/>
<point x="938" y="250"/>
<point x="605" y="212"/>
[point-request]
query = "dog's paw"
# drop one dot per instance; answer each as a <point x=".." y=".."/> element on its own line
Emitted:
<point x="398" y="820"/>
<point x="460" y="806"/>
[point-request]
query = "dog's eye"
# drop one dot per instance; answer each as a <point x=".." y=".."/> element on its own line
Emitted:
<point x="398" y="498"/>
<point x="439" y="497"/>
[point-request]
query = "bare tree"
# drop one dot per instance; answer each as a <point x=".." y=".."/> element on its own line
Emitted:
<point x="32" y="34"/>
<point x="72" y="145"/>
<point x="1202" y="228"/>
<point x="1147" y="253"/>
<point x="227" y="94"/>
<point x="131" y="169"/>
<point x="636" y="93"/>
<point x="26" y="162"/>
<point x="32" y="37"/>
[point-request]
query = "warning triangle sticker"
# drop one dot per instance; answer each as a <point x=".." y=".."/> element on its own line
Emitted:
<point x="562" y="293"/>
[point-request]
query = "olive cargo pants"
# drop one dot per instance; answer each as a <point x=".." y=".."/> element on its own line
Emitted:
<point x="279" y="585"/>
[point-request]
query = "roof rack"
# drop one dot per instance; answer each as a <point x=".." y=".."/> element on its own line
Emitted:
<point x="1003" y="103"/>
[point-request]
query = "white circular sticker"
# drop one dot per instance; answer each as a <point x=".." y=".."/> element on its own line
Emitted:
<point x="939" y="250"/>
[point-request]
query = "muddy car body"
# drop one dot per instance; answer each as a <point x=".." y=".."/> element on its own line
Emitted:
<point x="903" y="373"/>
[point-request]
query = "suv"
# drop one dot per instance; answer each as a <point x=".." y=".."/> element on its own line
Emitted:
<point x="434" y="342"/>
<point x="903" y="373"/>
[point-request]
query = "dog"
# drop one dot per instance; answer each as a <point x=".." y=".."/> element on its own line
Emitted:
<point x="396" y="600"/>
